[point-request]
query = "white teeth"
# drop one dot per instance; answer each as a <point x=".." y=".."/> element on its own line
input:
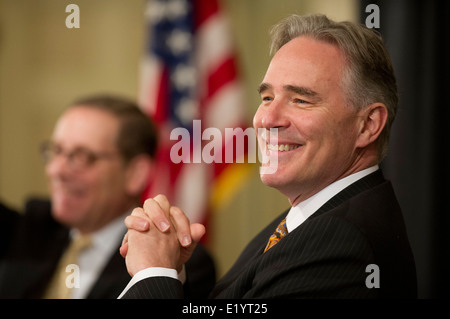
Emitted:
<point x="282" y="147"/>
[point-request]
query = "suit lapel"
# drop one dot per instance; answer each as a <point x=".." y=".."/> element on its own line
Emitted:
<point x="112" y="280"/>
<point x="347" y="193"/>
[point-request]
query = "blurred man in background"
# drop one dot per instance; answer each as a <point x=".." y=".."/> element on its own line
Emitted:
<point x="98" y="163"/>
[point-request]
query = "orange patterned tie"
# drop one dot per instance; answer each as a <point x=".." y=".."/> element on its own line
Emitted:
<point x="279" y="233"/>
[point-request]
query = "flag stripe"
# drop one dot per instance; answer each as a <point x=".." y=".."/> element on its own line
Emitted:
<point x="225" y="73"/>
<point x="204" y="9"/>
<point x="161" y="112"/>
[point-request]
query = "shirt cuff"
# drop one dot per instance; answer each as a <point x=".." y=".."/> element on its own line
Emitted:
<point x="154" y="272"/>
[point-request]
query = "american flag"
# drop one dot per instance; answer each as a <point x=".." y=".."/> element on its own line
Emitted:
<point x="189" y="73"/>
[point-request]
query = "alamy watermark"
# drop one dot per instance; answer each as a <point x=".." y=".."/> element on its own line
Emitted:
<point x="373" y="279"/>
<point x="373" y="19"/>
<point x="73" y="278"/>
<point x="73" y="19"/>
<point x="206" y="146"/>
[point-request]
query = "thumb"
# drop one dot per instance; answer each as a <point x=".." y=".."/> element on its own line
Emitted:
<point x="197" y="232"/>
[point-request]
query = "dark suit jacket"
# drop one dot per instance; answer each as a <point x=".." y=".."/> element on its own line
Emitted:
<point x="8" y="220"/>
<point x="38" y="243"/>
<point x="325" y="257"/>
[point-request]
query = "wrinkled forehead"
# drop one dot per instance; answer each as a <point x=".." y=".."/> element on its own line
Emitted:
<point x="307" y="62"/>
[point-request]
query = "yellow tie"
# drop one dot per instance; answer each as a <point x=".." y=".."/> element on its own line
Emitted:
<point x="279" y="233"/>
<point x="58" y="288"/>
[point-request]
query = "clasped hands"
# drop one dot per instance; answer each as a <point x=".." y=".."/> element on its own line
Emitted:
<point x="159" y="235"/>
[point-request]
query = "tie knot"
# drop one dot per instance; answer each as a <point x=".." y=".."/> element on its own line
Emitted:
<point x="80" y="243"/>
<point x="279" y="233"/>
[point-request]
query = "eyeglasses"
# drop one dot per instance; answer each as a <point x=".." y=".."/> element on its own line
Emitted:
<point x="79" y="158"/>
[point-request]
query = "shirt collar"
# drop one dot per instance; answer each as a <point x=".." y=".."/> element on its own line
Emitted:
<point x="107" y="236"/>
<point x="299" y="213"/>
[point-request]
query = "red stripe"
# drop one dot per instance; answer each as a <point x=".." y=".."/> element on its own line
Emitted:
<point x="225" y="73"/>
<point x="203" y="10"/>
<point x="162" y="101"/>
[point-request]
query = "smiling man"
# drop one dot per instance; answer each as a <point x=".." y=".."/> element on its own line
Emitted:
<point x="91" y="183"/>
<point x="330" y="91"/>
<point x="327" y="138"/>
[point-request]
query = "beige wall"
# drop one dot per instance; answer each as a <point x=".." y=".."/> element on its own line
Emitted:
<point x="44" y="65"/>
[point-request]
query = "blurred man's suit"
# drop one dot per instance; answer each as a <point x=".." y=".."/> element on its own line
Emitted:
<point x="8" y="219"/>
<point x="38" y="244"/>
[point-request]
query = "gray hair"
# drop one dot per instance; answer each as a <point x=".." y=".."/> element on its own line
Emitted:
<point x="368" y="76"/>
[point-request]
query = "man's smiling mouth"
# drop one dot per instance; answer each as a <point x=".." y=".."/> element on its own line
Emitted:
<point x="282" y="147"/>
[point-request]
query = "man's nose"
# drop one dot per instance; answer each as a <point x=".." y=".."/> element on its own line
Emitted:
<point x="57" y="165"/>
<point x="271" y="116"/>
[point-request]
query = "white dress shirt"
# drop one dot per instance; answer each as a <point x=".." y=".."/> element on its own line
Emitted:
<point x="299" y="213"/>
<point x="295" y="217"/>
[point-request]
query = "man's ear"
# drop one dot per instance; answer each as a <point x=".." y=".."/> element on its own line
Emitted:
<point x="139" y="171"/>
<point x="373" y="120"/>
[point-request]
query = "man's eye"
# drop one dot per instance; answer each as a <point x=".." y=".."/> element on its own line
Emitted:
<point x="57" y="150"/>
<point x="83" y="156"/>
<point x="300" y="101"/>
<point x="267" y="98"/>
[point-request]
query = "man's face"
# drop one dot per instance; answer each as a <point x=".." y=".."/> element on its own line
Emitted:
<point x="303" y="98"/>
<point x="86" y="196"/>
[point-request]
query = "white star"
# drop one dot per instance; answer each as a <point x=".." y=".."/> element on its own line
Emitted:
<point x="171" y="10"/>
<point x="187" y="110"/>
<point x="184" y="77"/>
<point x="155" y="11"/>
<point x="176" y="9"/>
<point x="179" y="41"/>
